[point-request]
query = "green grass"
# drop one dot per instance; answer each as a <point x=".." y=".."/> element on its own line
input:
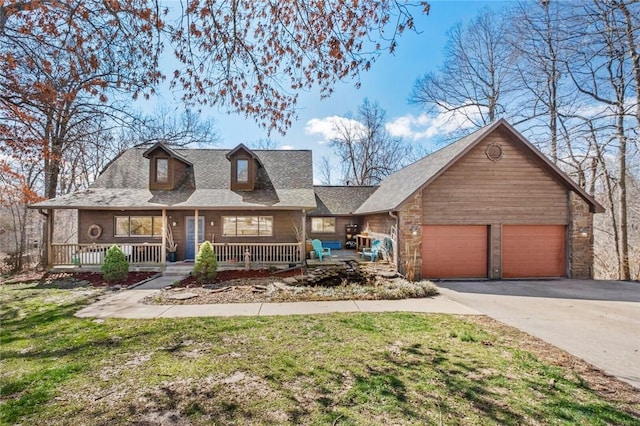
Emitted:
<point x="343" y="369"/>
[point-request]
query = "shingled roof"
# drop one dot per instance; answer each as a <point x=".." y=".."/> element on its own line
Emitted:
<point x="340" y="200"/>
<point x="400" y="186"/>
<point x="287" y="177"/>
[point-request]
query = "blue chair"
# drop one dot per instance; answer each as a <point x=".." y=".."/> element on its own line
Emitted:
<point x="372" y="251"/>
<point x="320" y="251"/>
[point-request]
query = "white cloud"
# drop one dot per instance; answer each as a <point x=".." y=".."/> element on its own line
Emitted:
<point x="327" y="127"/>
<point x="426" y="126"/>
<point x="287" y="147"/>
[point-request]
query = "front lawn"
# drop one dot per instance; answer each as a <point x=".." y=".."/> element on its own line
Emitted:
<point x="341" y="369"/>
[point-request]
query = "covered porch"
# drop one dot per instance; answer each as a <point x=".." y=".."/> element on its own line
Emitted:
<point x="156" y="238"/>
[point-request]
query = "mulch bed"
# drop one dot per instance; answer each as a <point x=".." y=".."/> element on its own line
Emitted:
<point x="96" y="280"/>
<point x="241" y="274"/>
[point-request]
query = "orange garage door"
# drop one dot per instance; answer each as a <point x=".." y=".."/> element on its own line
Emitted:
<point x="530" y="251"/>
<point x="454" y="251"/>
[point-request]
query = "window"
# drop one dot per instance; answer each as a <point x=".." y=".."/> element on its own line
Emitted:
<point x="242" y="170"/>
<point x="323" y="224"/>
<point x="138" y="226"/>
<point x="247" y="226"/>
<point x="162" y="170"/>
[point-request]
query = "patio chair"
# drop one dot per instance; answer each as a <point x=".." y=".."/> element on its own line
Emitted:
<point x="372" y="251"/>
<point x="320" y="251"/>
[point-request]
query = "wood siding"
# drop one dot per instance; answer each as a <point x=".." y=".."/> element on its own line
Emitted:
<point x="106" y="220"/>
<point x="282" y="226"/>
<point x="477" y="190"/>
<point x="380" y="223"/>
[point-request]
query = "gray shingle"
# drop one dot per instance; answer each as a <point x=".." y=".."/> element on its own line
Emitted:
<point x="340" y="200"/>
<point x="288" y="177"/>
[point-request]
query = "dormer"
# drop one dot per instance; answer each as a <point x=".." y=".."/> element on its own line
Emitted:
<point x="244" y="168"/>
<point x="166" y="166"/>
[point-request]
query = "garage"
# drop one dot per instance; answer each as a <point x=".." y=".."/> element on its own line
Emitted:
<point x="454" y="251"/>
<point x="530" y="251"/>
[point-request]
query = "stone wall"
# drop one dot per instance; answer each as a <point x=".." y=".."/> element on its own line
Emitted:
<point x="580" y="239"/>
<point x="410" y="236"/>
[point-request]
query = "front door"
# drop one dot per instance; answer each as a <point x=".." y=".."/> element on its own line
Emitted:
<point x="190" y="250"/>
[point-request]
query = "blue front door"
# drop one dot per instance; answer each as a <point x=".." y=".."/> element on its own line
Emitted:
<point x="190" y="250"/>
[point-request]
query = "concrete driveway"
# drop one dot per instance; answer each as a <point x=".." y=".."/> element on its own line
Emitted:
<point x="598" y="321"/>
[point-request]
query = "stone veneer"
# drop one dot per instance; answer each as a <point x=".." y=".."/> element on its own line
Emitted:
<point x="410" y="217"/>
<point x="580" y="235"/>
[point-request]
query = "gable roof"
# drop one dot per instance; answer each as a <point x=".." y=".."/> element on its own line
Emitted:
<point x="340" y="200"/>
<point x="242" y="147"/>
<point x="286" y="182"/>
<point x="170" y="152"/>
<point x="395" y="189"/>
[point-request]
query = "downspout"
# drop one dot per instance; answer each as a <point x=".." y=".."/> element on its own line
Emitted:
<point x="395" y="252"/>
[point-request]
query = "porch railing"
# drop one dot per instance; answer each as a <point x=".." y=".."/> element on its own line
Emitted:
<point x="93" y="254"/>
<point x="260" y="252"/>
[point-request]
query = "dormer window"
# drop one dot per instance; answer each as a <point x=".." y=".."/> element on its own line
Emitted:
<point x="167" y="168"/>
<point x="242" y="170"/>
<point x="162" y="170"/>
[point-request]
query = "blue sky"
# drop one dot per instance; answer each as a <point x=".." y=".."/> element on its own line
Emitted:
<point x="389" y="83"/>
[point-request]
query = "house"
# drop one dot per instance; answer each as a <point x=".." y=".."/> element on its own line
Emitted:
<point x="487" y="206"/>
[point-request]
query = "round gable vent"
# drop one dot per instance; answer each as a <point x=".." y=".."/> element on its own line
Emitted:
<point x="494" y="152"/>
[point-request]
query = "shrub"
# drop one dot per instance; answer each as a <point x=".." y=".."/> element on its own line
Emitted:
<point x="206" y="266"/>
<point x="403" y="289"/>
<point x="115" y="266"/>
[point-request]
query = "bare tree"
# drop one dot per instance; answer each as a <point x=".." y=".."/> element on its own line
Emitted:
<point x="265" y="143"/>
<point x="539" y="37"/>
<point x="174" y="126"/>
<point x="366" y="150"/>
<point x="600" y="68"/>
<point x="477" y="76"/>
<point x="325" y="169"/>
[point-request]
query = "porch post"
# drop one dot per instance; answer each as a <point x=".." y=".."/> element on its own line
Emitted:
<point x="196" y="232"/>
<point x="303" y="249"/>
<point x="50" y="238"/>
<point x="163" y="249"/>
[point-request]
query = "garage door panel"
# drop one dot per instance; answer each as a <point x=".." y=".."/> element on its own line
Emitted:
<point x="530" y="251"/>
<point x="454" y="251"/>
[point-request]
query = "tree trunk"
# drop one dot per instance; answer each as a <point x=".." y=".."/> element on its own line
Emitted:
<point x="623" y="233"/>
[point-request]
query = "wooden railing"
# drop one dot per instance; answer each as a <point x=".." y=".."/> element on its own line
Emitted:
<point x="93" y="254"/>
<point x="260" y="252"/>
